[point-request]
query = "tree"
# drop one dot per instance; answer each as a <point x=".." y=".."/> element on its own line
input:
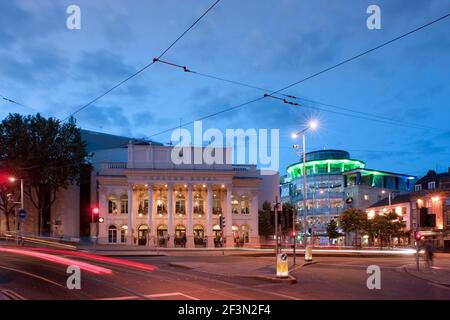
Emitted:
<point x="387" y="226"/>
<point x="47" y="153"/>
<point x="265" y="227"/>
<point x="332" y="230"/>
<point x="287" y="217"/>
<point x="9" y="198"/>
<point x="353" y="221"/>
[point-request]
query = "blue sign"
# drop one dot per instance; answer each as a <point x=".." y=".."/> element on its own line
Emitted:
<point x="22" y="213"/>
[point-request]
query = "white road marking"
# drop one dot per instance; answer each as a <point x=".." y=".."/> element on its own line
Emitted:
<point x="157" y="295"/>
<point x="34" y="276"/>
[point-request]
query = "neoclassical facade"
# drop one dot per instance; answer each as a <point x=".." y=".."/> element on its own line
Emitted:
<point x="150" y="201"/>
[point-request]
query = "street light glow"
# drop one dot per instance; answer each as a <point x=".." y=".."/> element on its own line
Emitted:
<point x="313" y="124"/>
<point x="294" y="135"/>
<point x="12" y="179"/>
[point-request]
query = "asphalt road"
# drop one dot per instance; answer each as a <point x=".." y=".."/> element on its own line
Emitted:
<point x="329" y="278"/>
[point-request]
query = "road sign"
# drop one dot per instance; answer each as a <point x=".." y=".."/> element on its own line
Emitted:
<point x="22" y="213"/>
<point x="282" y="265"/>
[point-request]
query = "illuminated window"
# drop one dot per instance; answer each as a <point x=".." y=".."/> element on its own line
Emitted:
<point x="431" y="185"/>
<point x="198" y="203"/>
<point x="180" y="204"/>
<point x="366" y="197"/>
<point x="123" y="234"/>
<point x="161" y="204"/>
<point x="245" y="205"/>
<point x="124" y="204"/>
<point x="234" y="205"/>
<point x="217" y="206"/>
<point x="143" y="206"/>
<point x="417" y="187"/>
<point x="112" y="205"/>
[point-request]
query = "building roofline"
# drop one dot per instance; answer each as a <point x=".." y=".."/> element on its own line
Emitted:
<point x="382" y="172"/>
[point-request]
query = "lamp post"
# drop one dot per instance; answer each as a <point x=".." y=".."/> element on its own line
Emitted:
<point x="19" y="225"/>
<point x="311" y="125"/>
<point x="390" y="198"/>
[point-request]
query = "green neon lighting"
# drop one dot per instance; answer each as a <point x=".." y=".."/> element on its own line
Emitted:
<point x="296" y="169"/>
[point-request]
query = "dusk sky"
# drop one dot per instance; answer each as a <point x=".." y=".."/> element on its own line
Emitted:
<point x="269" y="44"/>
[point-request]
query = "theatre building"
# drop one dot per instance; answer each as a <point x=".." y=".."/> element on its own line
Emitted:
<point x="145" y="199"/>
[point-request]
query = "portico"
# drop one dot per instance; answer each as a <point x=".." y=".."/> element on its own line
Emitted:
<point x="155" y="205"/>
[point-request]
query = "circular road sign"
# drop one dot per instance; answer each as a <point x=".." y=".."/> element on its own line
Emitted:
<point x="22" y="213"/>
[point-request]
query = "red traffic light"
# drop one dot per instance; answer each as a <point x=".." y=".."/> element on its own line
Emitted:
<point x="95" y="210"/>
<point x="294" y="233"/>
<point x="418" y="236"/>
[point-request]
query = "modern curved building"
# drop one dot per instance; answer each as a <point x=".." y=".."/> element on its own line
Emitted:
<point x="336" y="181"/>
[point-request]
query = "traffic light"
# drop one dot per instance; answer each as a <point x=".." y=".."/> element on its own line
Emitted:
<point x="222" y="222"/>
<point x="293" y="233"/>
<point x="95" y="212"/>
<point x="417" y="236"/>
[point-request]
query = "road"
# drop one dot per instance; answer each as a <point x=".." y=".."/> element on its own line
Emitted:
<point x="30" y="277"/>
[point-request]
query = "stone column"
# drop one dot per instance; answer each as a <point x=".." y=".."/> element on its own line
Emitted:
<point x="103" y="213"/>
<point x="209" y="226"/>
<point x="228" y="218"/>
<point x="190" y="219"/>
<point x="253" y="232"/>
<point x="170" y="229"/>
<point x="130" y="214"/>
<point x="151" y="232"/>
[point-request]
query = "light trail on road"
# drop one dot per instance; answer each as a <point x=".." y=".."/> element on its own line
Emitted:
<point x="126" y="263"/>
<point x="60" y="260"/>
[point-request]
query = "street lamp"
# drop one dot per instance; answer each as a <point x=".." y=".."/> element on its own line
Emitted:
<point x="311" y="125"/>
<point x="12" y="180"/>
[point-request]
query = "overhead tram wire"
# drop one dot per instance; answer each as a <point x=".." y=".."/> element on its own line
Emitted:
<point x="317" y="73"/>
<point x="388" y="120"/>
<point x="145" y="67"/>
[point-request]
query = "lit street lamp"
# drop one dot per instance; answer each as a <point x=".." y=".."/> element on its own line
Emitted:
<point x="312" y="125"/>
<point x="12" y="180"/>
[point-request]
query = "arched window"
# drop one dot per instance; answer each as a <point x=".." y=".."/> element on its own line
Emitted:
<point x="180" y="204"/>
<point x="180" y="231"/>
<point x="124" y="204"/>
<point x="112" y="204"/>
<point x="234" y="205"/>
<point x="123" y="234"/>
<point x="245" y="204"/>
<point x="112" y="234"/>
<point x="161" y="231"/>
<point x="198" y="203"/>
<point x="142" y="234"/>
<point x="180" y="235"/>
<point x="199" y="234"/>
<point x="245" y="233"/>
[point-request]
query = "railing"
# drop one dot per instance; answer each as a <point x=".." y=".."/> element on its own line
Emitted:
<point x="117" y="165"/>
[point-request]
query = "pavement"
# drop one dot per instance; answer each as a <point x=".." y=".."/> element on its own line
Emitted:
<point x="261" y="269"/>
<point x="438" y="272"/>
<point x="207" y="276"/>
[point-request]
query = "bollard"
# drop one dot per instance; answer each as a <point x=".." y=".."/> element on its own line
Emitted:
<point x="308" y="253"/>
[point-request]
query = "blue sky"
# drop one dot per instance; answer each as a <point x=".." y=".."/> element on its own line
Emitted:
<point x="265" y="43"/>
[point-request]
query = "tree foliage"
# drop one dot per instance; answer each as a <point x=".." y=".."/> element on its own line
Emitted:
<point x="332" y="230"/>
<point x="47" y="153"/>
<point x="265" y="227"/>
